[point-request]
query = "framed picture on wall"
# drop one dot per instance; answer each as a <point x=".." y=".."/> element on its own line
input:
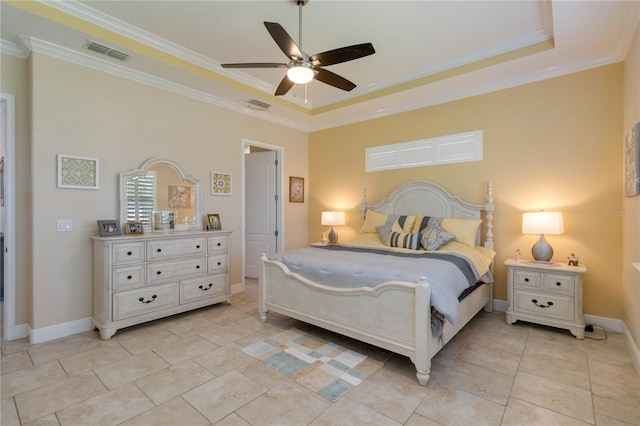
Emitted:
<point x="213" y="221"/>
<point x="296" y="189"/>
<point x="220" y="183"/>
<point x="107" y="228"/>
<point x="77" y="172"/>
<point x="632" y="162"/>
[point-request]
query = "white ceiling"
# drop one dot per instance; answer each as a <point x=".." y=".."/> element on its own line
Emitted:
<point x="423" y="48"/>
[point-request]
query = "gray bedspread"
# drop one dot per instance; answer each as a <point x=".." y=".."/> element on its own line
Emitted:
<point x="348" y="267"/>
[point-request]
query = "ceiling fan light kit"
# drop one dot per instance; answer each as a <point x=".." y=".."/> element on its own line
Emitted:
<point x="303" y="68"/>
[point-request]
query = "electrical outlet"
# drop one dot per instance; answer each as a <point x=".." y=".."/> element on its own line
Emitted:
<point x="65" y="225"/>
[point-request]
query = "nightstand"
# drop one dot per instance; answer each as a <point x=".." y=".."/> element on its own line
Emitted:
<point x="545" y="294"/>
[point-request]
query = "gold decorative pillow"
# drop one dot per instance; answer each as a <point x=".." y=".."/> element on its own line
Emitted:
<point x="372" y="220"/>
<point x="465" y="230"/>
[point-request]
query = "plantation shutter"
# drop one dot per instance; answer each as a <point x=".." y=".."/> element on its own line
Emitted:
<point x="141" y="198"/>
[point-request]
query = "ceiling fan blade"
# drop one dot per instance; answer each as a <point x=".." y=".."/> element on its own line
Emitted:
<point x="342" y="54"/>
<point x="333" y="79"/>
<point x="255" y="65"/>
<point x="284" y="86"/>
<point x="283" y="40"/>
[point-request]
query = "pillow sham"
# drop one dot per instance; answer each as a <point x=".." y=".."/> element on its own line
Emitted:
<point x="408" y="241"/>
<point x="372" y="220"/>
<point x="383" y="230"/>
<point x="465" y="230"/>
<point x="434" y="236"/>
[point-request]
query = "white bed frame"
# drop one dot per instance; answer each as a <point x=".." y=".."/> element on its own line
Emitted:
<point x="394" y="315"/>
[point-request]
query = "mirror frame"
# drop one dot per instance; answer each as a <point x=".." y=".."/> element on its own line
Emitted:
<point x="143" y="170"/>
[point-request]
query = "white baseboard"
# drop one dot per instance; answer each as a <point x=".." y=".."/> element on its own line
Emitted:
<point x="21" y="331"/>
<point x="237" y="288"/>
<point x="500" y="305"/>
<point x="60" y="330"/>
<point x="633" y="348"/>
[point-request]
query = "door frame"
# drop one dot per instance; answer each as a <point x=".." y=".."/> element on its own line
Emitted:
<point x="9" y="303"/>
<point x="246" y="143"/>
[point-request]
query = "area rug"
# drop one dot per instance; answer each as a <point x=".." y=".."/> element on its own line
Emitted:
<point x="326" y="368"/>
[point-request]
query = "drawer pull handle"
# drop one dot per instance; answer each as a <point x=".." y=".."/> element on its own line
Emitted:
<point x="526" y="280"/>
<point x="197" y="266"/>
<point x="219" y="244"/>
<point x="159" y="250"/>
<point x="148" y="301"/>
<point x="129" y="253"/>
<point x="558" y="283"/>
<point x="205" y="289"/>
<point x="159" y="272"/>
<point x="535" y="302"/>
<point x="198" y="246"/>
<point x="129" y="277"/>
<point x="219" y="263"/>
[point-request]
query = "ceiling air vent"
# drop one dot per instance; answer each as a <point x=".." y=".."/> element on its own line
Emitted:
<point x="106" y="50"/>
<point x="258" y="104"/>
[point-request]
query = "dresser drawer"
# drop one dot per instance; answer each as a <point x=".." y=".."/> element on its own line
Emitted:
<point x="202" y="288"/>
<point x="558" y="283"/>
<point x="216" y="264"/>
<point x="166" y="271"/>
<point x="165" y="249"/>
<point x="128" y="252"/>
<point x="218" y="244"/>
<point x="526" y="278"/>
<point x="127" y="304"/>
<point x="125" y="277"/>
<point x="545" y="305"/>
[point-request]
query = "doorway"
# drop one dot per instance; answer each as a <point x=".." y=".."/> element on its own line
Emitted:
<point x="262" y="209"/>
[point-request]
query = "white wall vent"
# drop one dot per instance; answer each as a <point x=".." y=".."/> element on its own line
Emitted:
<point x="258" y="104"/>
<point x="459" y="148"/>
<point x="106" y="50"/>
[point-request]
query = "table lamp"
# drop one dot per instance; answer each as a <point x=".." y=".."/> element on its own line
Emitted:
<point x="332" y="219"/>
<point x="549" y="223"/>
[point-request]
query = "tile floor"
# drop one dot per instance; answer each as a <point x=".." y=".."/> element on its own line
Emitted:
<point x="190" y="370"/>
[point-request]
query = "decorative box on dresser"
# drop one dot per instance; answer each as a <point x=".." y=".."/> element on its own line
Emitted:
<point x="546" y="294"/>
<point x="139" y="278"/>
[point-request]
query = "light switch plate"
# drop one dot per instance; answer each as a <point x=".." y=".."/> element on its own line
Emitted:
<point x="65" y="225"/>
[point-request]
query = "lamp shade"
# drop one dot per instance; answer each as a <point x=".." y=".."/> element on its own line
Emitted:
<point x="332" y="218"/>
<point x="549" y="223"/>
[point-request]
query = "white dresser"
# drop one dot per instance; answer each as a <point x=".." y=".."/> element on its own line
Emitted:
<point x="548" y="295"/>
<point x="138" y="278"/>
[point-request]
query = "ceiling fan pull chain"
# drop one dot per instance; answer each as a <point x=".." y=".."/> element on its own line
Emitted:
<point x="300" y="4"/>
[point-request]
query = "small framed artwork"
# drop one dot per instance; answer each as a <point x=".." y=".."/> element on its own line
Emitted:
<point x="296" y="189"/>
<point x="179" y="197"/>
<point x="133" y="228"/>
<point x="77" y="172"/>
<point x="107" y="228"/>
<point x="632" y="162"/>
<point x="213" y="221"/>
<point x="220" y="183"/>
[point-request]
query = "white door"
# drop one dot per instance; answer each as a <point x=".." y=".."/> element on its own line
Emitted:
<point x="261" y="232"/>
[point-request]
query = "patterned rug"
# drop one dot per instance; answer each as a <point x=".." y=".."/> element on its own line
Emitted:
<point x="324" y="367"/>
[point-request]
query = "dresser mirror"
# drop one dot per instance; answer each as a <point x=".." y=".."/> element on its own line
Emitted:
<point x="160" y="188"/>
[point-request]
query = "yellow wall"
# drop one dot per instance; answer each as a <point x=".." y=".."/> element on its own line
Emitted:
<point x="631" y="206"/>
<point x="552" y="145"/>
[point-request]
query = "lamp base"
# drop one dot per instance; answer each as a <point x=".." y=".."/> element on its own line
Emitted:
<point x="541" y="250"/>
<point x="333" y="236"/>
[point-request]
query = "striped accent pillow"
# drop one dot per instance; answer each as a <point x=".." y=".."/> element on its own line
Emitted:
<point x="409" y="241"/>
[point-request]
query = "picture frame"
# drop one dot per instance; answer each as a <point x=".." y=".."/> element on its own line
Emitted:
<point x="296" y="189"/>
<point x="632" y="162"/>
<point x="220" y="183"/>
<point x="76" y="172"/>
<point x="213" y="222"/>
<point x="179" y="197"/>
<point x="107" y="228"/>
<point x="133" y="228"/>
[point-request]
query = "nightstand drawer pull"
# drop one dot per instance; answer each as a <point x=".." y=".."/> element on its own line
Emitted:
<point x="148" y="301"/>
<point x="205" y="289"/>
<point x="535" y="302"/>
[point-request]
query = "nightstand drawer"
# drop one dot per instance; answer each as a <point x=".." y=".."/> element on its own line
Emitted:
<point x="558" y="283"/>
<point x="553" y="306"/>
<point x="525" y="278"/>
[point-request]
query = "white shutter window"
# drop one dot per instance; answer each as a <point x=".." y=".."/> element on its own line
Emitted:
<point x="141" y="198"/>
<point x="457" y="148"/>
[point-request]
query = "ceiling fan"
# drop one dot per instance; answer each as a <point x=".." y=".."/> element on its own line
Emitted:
<point x="303" y="68"/>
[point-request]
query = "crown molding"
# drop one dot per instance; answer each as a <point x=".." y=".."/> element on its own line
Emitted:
<point x="12" y="49"/>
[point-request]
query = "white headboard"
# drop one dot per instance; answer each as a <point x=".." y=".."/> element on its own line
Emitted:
<point x="433" y="200"/>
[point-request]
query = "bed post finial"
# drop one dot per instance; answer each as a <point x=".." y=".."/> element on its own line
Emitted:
<point x="488" y="242"/>
<point x="363" y="208"/>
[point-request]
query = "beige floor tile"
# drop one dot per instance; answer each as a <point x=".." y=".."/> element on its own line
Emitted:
<point x="602" y="420"/>
<point x="556" y="334"/>
<point x="479" y="381"/>
<point x="512" y="343"/>
<point x="128" y="370"/>
<point x="610" y="355"/>
<point x="192" y="327"/>
<point x="142" y="339"/>
<point x="265" y="375"/>
<point x="31" y="378"/>
<point x="225" y="314"/>
<point x="555" y="396"/>
<point x="8" y="412"/>
<point x="624" y="378"/>
<point x="224" y="359"/>
<point x="222" y="396"/>
<point x="56" y="396"/>
<point x="174" y="412"/>
<point x="347" y="413"/>
<point x="15" y="362"/>
<point x="227" y="334"/>
<point x="110" y="408"/>
<point x="13" y="346"/>
<point x="490" y="358"/>
<point x="232" y="420"/>
<point x="557" y="369"/>
<point x="393" y="395"/>
<point x="45" y="352"/>
<point x="499" y="324"/>
<point x="565" y="349"/>
<point x="520" y="413"/>
<point x="184" y="349"/>
<point x="50" y="420"/>
<point x="94" y="358"/>
<point x="171" y="382"/>
<point x="286" y="404"/>
<point x="616" y="403"/>
<point x="420" y="420"/>
<point x="450" y="406"/>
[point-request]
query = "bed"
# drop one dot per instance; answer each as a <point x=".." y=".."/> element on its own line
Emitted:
<point x="395" y="315"/>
